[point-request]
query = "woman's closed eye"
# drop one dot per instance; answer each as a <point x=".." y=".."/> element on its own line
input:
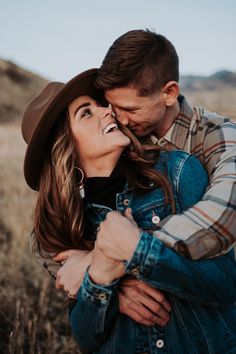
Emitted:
<point x="87" y="112"/>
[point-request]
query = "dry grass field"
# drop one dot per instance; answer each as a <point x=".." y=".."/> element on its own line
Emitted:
<point x="222" y="101"/>
<point x="33" y="317"/>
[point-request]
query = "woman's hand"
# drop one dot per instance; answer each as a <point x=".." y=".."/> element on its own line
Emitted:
<point x="103" y="269"/>
<point x="71" y="274"/>
<point x="118" y="235"/>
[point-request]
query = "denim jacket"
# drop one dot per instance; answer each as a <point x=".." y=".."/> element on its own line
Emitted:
<point x="202" y="293"/>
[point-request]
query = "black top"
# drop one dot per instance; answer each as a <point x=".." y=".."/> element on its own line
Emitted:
<point x="103" y="190"/>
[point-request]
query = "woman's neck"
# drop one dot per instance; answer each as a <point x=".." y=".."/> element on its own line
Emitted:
<point x="101" y="167"/>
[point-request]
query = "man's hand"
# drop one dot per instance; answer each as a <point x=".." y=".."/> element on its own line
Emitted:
<point x="118" y="236"/>
<point x="103" y="269"/>
<point x="142" y="303"/>
<point x="71" y="274"/>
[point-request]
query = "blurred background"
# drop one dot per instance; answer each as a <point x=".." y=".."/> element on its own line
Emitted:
<point x="55" y="40"/>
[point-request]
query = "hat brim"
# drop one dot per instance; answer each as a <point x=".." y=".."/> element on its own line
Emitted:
<point x="81" y="84"/>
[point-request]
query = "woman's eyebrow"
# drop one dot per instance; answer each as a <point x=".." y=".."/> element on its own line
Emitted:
<point x="86" y="104"/>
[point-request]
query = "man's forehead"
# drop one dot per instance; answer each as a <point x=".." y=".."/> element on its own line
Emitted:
<point x="125" y="98"/>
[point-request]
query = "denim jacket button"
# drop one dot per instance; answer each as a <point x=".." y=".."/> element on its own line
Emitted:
<point x="102" y="296"/>
<point x="135" y="271"/>
<point x="155" y="219"/>
<point x="160" y="343"/>
<point x="126" y="202"/>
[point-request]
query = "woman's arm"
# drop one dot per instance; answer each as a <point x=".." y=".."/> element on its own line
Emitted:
<point x="92" y="315"/>
<point x="97" y="302"/>
<point x="71" y="274"/>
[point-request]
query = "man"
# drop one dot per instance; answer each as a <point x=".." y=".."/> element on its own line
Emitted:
<point x="140" y="76"/>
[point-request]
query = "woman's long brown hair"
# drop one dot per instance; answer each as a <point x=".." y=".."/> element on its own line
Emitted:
<point x="59" y="216"/>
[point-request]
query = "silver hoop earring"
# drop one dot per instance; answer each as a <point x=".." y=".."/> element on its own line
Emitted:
<point x="81" y="184"/>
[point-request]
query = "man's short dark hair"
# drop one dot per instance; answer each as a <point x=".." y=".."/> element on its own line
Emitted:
<point x="139" y="58"/>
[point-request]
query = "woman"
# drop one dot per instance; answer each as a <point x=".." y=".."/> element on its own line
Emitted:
<point x="74" y="144"/>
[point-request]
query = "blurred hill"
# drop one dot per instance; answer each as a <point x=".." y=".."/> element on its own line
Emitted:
<point x="216" y="93"/>
<point x="17" y="87"/>
<point x="219" y="80"/>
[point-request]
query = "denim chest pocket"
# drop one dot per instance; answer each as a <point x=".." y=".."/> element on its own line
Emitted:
<point x="149" y="216"/>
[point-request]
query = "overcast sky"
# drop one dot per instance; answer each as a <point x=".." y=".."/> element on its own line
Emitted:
<point x="60" y="38"/>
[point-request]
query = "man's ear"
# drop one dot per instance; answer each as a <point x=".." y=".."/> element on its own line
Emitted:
<point x="170" y="92"/>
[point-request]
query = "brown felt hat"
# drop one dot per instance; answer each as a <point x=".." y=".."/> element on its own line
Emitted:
<point x="42" y="114"/>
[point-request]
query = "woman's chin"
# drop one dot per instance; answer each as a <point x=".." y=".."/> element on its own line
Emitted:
<point x="126" y="141"/>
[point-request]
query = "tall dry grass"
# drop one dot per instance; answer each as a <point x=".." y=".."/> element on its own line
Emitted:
<point x="33" y="317"/>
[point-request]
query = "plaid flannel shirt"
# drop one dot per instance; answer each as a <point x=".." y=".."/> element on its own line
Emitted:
<point x="207" y="229"/>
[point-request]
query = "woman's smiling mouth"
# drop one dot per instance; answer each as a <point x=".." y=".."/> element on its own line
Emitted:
<point x="110" y="127"/>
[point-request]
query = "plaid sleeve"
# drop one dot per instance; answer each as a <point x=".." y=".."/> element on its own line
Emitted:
<point x="208" y="229"/>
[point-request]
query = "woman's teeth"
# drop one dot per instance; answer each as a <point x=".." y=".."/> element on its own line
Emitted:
<point x="110" y="128"/>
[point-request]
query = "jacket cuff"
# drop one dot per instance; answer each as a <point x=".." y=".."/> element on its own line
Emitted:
<point x="98" y="293"/>
<point x="145" y="256"/>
